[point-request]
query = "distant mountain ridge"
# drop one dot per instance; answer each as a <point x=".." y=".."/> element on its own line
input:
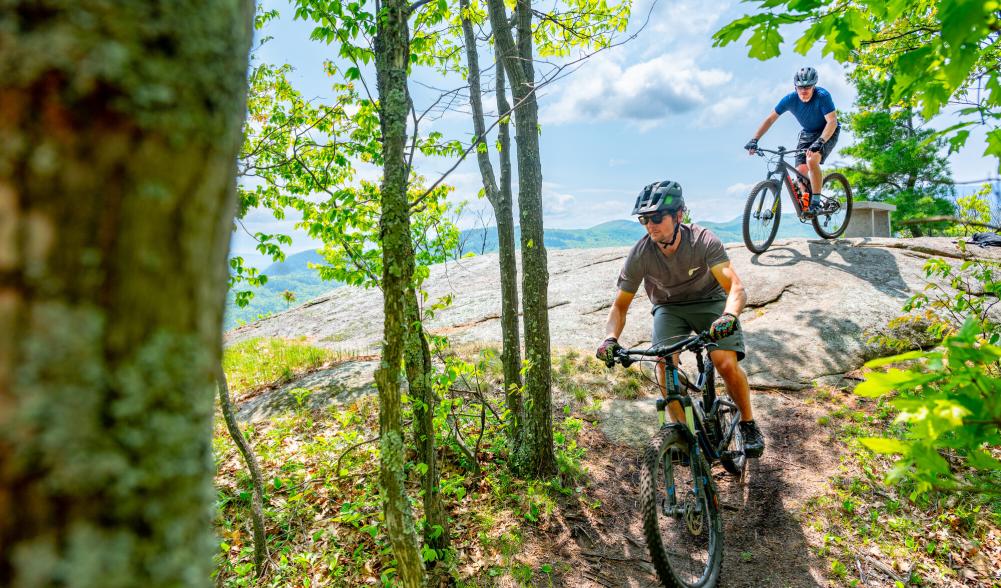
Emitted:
<point x="295" y="275"/>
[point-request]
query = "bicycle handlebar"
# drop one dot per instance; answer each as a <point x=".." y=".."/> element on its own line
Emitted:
<point x="626" y="357"/>
<point x="760" y="151"/>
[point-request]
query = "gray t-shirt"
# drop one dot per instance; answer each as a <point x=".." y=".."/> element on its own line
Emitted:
<point x="681" y="278"/>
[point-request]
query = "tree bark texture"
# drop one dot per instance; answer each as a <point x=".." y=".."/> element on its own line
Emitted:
<point x="119" y="130"/>
<point x="500" y="199"/>
<point x="256" y="480"/>
<point x="537" y="458"/>
<point x="392" y="55"/>
<point x="419" y="370"/>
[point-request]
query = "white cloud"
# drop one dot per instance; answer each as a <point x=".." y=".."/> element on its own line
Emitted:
<point x="833" y="79"/>
<point x="687" y="18"/>
<point x="557" y="204"/>
<point x="643" y="94"/>
<point x="738" y="189"/>
<point x="723" y="111"/>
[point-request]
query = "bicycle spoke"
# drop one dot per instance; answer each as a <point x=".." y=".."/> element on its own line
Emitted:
<point x="761" y="217"/>
<point x="685" y="526"/>
<point x="836" y="206"/>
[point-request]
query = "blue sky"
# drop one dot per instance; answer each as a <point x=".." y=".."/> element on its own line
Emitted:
<point x="666" y="105"/>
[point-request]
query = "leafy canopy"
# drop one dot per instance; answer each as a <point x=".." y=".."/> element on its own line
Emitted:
<point x="929" y="53"/>
<point x="897" y="158"/>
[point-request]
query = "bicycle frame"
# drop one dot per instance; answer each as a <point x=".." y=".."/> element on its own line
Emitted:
<point x="784" y="172"/>
<point x="695" y="412"/>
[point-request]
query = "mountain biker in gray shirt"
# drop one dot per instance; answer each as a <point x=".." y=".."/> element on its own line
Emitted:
<point x="689" y="280"/>
<point x="814" y="109"/>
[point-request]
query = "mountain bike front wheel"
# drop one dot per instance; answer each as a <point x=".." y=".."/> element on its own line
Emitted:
<point x="761" y="216"/>
<point x="835" y="207"/>
<point x="681" y="519"/>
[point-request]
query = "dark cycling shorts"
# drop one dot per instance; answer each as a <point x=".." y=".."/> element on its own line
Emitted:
<point x="672" y="322"/>
<point x="807" y="138"/>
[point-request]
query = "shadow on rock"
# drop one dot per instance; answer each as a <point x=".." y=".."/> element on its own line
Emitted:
<point x="876" y="266"/>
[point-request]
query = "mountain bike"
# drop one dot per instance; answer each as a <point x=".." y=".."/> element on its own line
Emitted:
<point x="764" y="205"/>
<point x="681" y="513"/>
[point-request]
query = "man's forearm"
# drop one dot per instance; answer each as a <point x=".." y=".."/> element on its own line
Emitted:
<point x="616" y="322"/>
<point x="767" y="124"/>
<point x="735" y="301"/>
<point x="828" y="132"/>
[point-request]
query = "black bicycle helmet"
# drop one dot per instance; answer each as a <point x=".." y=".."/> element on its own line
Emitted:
<point x="805" y="77"/>
<point x="663" y="196"/>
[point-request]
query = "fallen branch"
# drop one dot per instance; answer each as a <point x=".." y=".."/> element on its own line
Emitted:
<point x="458" y="440"/>
<point x="612" y="557"/>
<point x="337" y="468"/>
<point x="883" y="568"/>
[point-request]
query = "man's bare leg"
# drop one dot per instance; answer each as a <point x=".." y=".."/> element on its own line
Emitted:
<point x="729" y="369"/>
<point x="812" y="169"/>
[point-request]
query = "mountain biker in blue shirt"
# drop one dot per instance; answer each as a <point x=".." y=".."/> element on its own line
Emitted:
<point x="814" y="109"/>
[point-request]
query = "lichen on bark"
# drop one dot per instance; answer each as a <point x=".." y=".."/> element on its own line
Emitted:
<point x="120" y="130"/>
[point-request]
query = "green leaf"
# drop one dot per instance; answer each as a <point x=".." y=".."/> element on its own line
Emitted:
<point x="880" y="383"/>
<point x="765" y="42"/>
<point x="982" y="460"/>
<point x="882" y="445"/>
<point x="958" y="141"/>
<point x="994" y="144"/>
<point x="879" y="362"/>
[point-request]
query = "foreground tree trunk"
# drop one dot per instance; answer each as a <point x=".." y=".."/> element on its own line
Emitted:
<point x="500" y="199"/>
<point x="118" y="143"/>
<point x="537" y="458"/>
<point x="392" y="55"/>
<point x="419" y="370"/>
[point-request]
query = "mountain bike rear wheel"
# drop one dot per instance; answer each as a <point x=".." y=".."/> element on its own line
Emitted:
<point x="835" y="207"/>
<point x="681" y="519"/>
<point x="761" y="216"/>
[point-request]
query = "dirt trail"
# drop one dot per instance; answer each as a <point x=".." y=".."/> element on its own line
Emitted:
<point x="765" y="543"/>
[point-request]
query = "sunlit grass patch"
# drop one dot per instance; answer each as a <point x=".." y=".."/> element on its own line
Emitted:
<point x="261" y="362"/>
<point x="324" y="519"/>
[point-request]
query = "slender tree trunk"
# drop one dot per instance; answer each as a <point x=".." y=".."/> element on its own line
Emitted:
<point x="118" y="142"/>
<point x="256" y="480"/>
<point x="538" y="458"/>
<point x="419" y="370"/>
<point x="392" y="55"/>
<point x="500" y="199"/>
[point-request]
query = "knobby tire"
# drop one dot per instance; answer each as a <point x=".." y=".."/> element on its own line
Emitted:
<point x="843" y="190"/>
<point x="656" y="522"/>
<point x="764" y="188"/>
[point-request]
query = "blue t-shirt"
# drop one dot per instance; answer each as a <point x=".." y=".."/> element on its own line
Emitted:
<point x="809" y="114"/>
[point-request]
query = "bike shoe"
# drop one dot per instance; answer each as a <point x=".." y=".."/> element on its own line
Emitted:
<point x="814" y="208"/>
<point x="754" y="441"/>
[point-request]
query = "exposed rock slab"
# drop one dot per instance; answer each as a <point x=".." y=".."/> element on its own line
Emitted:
<point x="629" y="422"/>
<point x="811" y="304"/>
<point x="339" y="384"/>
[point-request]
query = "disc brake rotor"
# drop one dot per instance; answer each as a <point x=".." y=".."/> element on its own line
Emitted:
<point x="693" y="516"/>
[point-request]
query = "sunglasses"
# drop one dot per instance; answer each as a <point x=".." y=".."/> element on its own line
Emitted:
<point x="654" y="218"/>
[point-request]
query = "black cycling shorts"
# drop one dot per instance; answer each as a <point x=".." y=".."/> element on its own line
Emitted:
<point x="807" y="138"/>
